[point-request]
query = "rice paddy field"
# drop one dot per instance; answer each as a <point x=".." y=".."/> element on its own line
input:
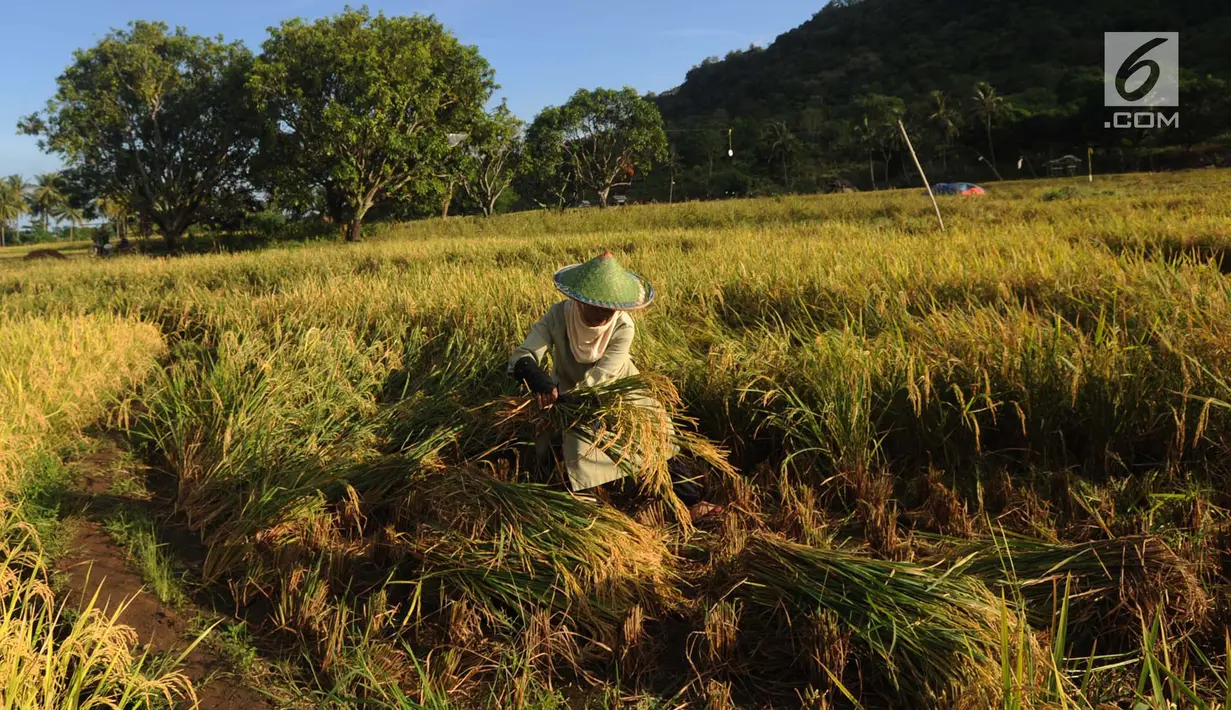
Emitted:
<point x="984" y="467"/>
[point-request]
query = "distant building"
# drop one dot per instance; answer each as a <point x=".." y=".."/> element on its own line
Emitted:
<point x="839" y="185"/>
<point x="1066" y="165"/>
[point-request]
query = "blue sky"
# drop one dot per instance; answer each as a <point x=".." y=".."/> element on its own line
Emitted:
<point x="542" y="50"/>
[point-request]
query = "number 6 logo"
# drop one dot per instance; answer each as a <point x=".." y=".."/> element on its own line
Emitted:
<point x="1149" y="61"/>
<point x="1135" y="63"/>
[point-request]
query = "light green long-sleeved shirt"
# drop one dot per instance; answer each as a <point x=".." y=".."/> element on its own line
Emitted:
<point x="550" y="336"/>
<point x="587" y="466"/>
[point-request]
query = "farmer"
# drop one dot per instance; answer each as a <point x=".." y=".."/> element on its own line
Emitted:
<point x="588" y="336"/>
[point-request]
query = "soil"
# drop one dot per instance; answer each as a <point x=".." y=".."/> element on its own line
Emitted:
<point x="36" y="254"/>
<point x="95" y="563"/>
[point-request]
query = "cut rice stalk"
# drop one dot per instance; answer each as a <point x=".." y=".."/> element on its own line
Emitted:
<point x="636" y="421"/>
<point x="933" y="633"/>
<point x="511" y="549"/>
<point x="1113" y="580"/>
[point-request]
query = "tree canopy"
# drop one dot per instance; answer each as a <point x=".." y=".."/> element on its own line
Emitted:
<point x="157" y="116"/>
<point x="603" y="137"/>
<point x="494" y="153"/>
<point x="360" y="107"/>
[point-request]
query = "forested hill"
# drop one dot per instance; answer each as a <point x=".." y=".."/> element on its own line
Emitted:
<point x="1043" y="58"/>
<point x="910" y="47"/>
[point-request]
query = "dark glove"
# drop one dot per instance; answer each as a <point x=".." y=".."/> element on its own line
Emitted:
<point x="528" y="371"/>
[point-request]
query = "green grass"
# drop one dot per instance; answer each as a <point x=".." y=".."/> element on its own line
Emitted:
<point x="138" y="536"/>
<point x="235" y="642"/>
<point x="1052" y="367"/>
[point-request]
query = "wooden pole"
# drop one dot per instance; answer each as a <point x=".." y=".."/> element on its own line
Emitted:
<point x="926" y="184"/>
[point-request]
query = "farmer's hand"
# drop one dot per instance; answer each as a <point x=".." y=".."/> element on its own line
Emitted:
<point x="547" y="399"/>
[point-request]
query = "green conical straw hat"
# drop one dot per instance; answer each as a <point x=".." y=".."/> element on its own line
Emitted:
<point x="602" y="282"/>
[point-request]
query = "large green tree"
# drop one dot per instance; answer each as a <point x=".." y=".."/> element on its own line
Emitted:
<point x="159" y="116"/>
<point x="605" y="135"/>
<point x="545" y="178"/>
<point x="360" y="107"/>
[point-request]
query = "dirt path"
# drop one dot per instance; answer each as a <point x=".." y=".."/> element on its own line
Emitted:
<point x="94" y="562"/>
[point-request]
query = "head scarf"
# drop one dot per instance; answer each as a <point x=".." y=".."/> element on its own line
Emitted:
<point x="587" y="342"/>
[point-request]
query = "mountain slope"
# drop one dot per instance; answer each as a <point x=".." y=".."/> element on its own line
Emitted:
<point x="907" y="48"/>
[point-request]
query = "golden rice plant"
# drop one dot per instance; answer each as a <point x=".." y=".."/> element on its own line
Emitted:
<point x="1086" y="335"/>
<point x="58" y="373"/>
<point x="1112" y="583"/>
<point x="55" y="657"/>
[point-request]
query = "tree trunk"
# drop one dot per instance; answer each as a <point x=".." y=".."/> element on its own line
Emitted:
<point x="872" y="169"/>
<point x="991" y="147"/>
<point x="448" y="199"/>
<point x="354" y="229"/>
<point x="171" y="239"/>
<point x="786" y="179"/>
<point x="602" y="197"/>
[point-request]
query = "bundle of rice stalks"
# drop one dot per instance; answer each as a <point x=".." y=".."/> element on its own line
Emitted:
<point x="637" y="421"/>
<point x="510" y="550"/>
<point x="1113" y="583"/>
<point x="934" y="636"/>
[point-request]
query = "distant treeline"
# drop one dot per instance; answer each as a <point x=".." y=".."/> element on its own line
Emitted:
<point x="360" y="116"/>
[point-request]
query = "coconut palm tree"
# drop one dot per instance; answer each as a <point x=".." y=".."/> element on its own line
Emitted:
<point x="116" y="210"/>
<point x="947" y="122"/>
<point x="73" y="215"/>
<point x="782" y="143"/>
<point x="12" y="203"/>
<point x="45" y="196"/>
<point x="989" y="106"/>
<point x="865" y="134"/>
